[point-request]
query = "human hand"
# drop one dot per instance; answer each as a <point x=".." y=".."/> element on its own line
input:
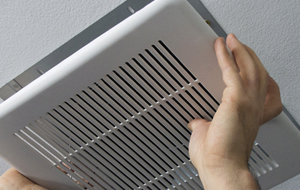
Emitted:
<point x="220" y="149"/>
<point x="13" y="180"/>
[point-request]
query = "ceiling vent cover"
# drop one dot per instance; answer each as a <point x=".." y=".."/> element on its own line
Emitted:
<point x="114" y="114"/>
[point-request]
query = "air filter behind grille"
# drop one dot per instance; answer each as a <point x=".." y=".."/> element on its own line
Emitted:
<point x="114" y="114"/>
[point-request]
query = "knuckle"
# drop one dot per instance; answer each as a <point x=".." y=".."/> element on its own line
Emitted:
<point x="278" y="109"/>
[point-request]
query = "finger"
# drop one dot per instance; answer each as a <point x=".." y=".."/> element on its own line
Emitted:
<point x="263" y="72"/>
<point x="227" y="64"/>
<point x="273" y="105"/>
<point x="252" y="54"/>
<point x="248" y="68"/>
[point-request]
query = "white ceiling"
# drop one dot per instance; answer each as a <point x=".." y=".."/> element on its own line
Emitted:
<point x="30" y="30"/>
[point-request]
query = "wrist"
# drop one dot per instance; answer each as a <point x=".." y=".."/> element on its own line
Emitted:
<point x="228" y="178"/>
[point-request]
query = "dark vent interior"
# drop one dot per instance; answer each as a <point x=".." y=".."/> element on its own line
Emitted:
<point x="128" y="130"/>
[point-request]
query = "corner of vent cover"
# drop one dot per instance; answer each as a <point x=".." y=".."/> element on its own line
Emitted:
<point x="114" y="114"/>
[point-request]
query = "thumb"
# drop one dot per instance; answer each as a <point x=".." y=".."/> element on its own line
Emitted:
<point x="197" y="123"/>
<point x="199" y="128"/>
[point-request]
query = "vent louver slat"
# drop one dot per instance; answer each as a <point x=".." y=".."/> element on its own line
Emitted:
<point x="128" y="129"/>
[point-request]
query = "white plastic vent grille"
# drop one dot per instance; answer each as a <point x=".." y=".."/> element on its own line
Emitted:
<point x="260" y="161"/>
<point x="128" y="130"/>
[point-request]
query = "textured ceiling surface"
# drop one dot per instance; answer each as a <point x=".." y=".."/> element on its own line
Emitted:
<point x="31" y="29"/>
